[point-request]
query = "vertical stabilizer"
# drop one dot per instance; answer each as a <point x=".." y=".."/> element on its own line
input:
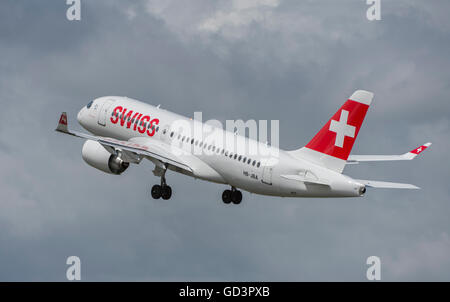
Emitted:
<point x="332" y="145"/>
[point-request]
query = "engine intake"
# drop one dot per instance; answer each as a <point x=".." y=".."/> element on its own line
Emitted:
<point x="117" y="165"/>
<point x="95" y="155"/>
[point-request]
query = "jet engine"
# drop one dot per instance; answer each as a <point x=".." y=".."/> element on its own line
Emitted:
<point x="95" y="155"/>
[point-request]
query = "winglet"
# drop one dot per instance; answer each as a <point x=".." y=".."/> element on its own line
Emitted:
<point x="413" y="153"/>
<point x="62" y="124"/>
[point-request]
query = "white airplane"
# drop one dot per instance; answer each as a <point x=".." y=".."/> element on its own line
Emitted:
<point x="126" y="131"/>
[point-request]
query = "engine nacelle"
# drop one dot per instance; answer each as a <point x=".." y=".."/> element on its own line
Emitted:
<point x="95" y="155"/>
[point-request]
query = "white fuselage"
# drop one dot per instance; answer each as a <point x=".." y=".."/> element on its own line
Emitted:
<point x="263" y="172"/>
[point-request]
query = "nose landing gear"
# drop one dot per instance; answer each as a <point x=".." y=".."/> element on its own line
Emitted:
<point x="232" y="196"/>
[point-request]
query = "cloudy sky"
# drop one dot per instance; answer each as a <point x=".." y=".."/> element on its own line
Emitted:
<point x="293" y="61"/>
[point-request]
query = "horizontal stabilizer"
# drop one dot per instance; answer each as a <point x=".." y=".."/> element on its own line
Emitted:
<point x="385" y="185"/>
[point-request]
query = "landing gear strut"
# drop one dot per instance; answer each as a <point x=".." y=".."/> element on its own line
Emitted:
<point x="233" y="195"/>
<point x="162" y="191"/>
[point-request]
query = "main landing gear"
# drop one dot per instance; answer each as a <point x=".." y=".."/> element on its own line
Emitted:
<point x="233" y="195"/>
<point x="162" y="191"/>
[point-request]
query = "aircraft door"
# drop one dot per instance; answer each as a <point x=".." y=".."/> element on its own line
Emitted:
<point x="103" y="113"/>
<point x="267" y="175"/>
<point x="165" y="134"/>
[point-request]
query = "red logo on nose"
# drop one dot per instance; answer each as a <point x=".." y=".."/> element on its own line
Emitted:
<point x="140" y="123"/>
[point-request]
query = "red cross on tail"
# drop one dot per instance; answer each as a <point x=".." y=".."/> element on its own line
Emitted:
<point x="338" y="135"/>
<point x="332" y="145"/>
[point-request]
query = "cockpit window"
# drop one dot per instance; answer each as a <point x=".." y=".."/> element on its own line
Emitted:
<point x="89" y="105"/>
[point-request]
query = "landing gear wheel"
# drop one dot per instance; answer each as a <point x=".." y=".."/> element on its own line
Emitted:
<point x="156" y="191"/>
<point x="166" y="192"/>
<point x="236" y="197"/>
<point x="226" y="196"/>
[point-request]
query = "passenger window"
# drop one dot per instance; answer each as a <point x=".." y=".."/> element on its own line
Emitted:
<point x="249" y="161"/>
<point x="254" y="163"/>
<point x="235" y="156"/>
<point x="240" y="157"/>
<point x="259" y="164"/>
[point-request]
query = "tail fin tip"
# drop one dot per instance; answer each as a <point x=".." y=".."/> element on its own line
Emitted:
<point x="362" y="96"/>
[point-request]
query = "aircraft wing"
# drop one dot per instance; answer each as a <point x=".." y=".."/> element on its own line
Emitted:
<point x="354" y="159"/>
<point x="134" y="148"/>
